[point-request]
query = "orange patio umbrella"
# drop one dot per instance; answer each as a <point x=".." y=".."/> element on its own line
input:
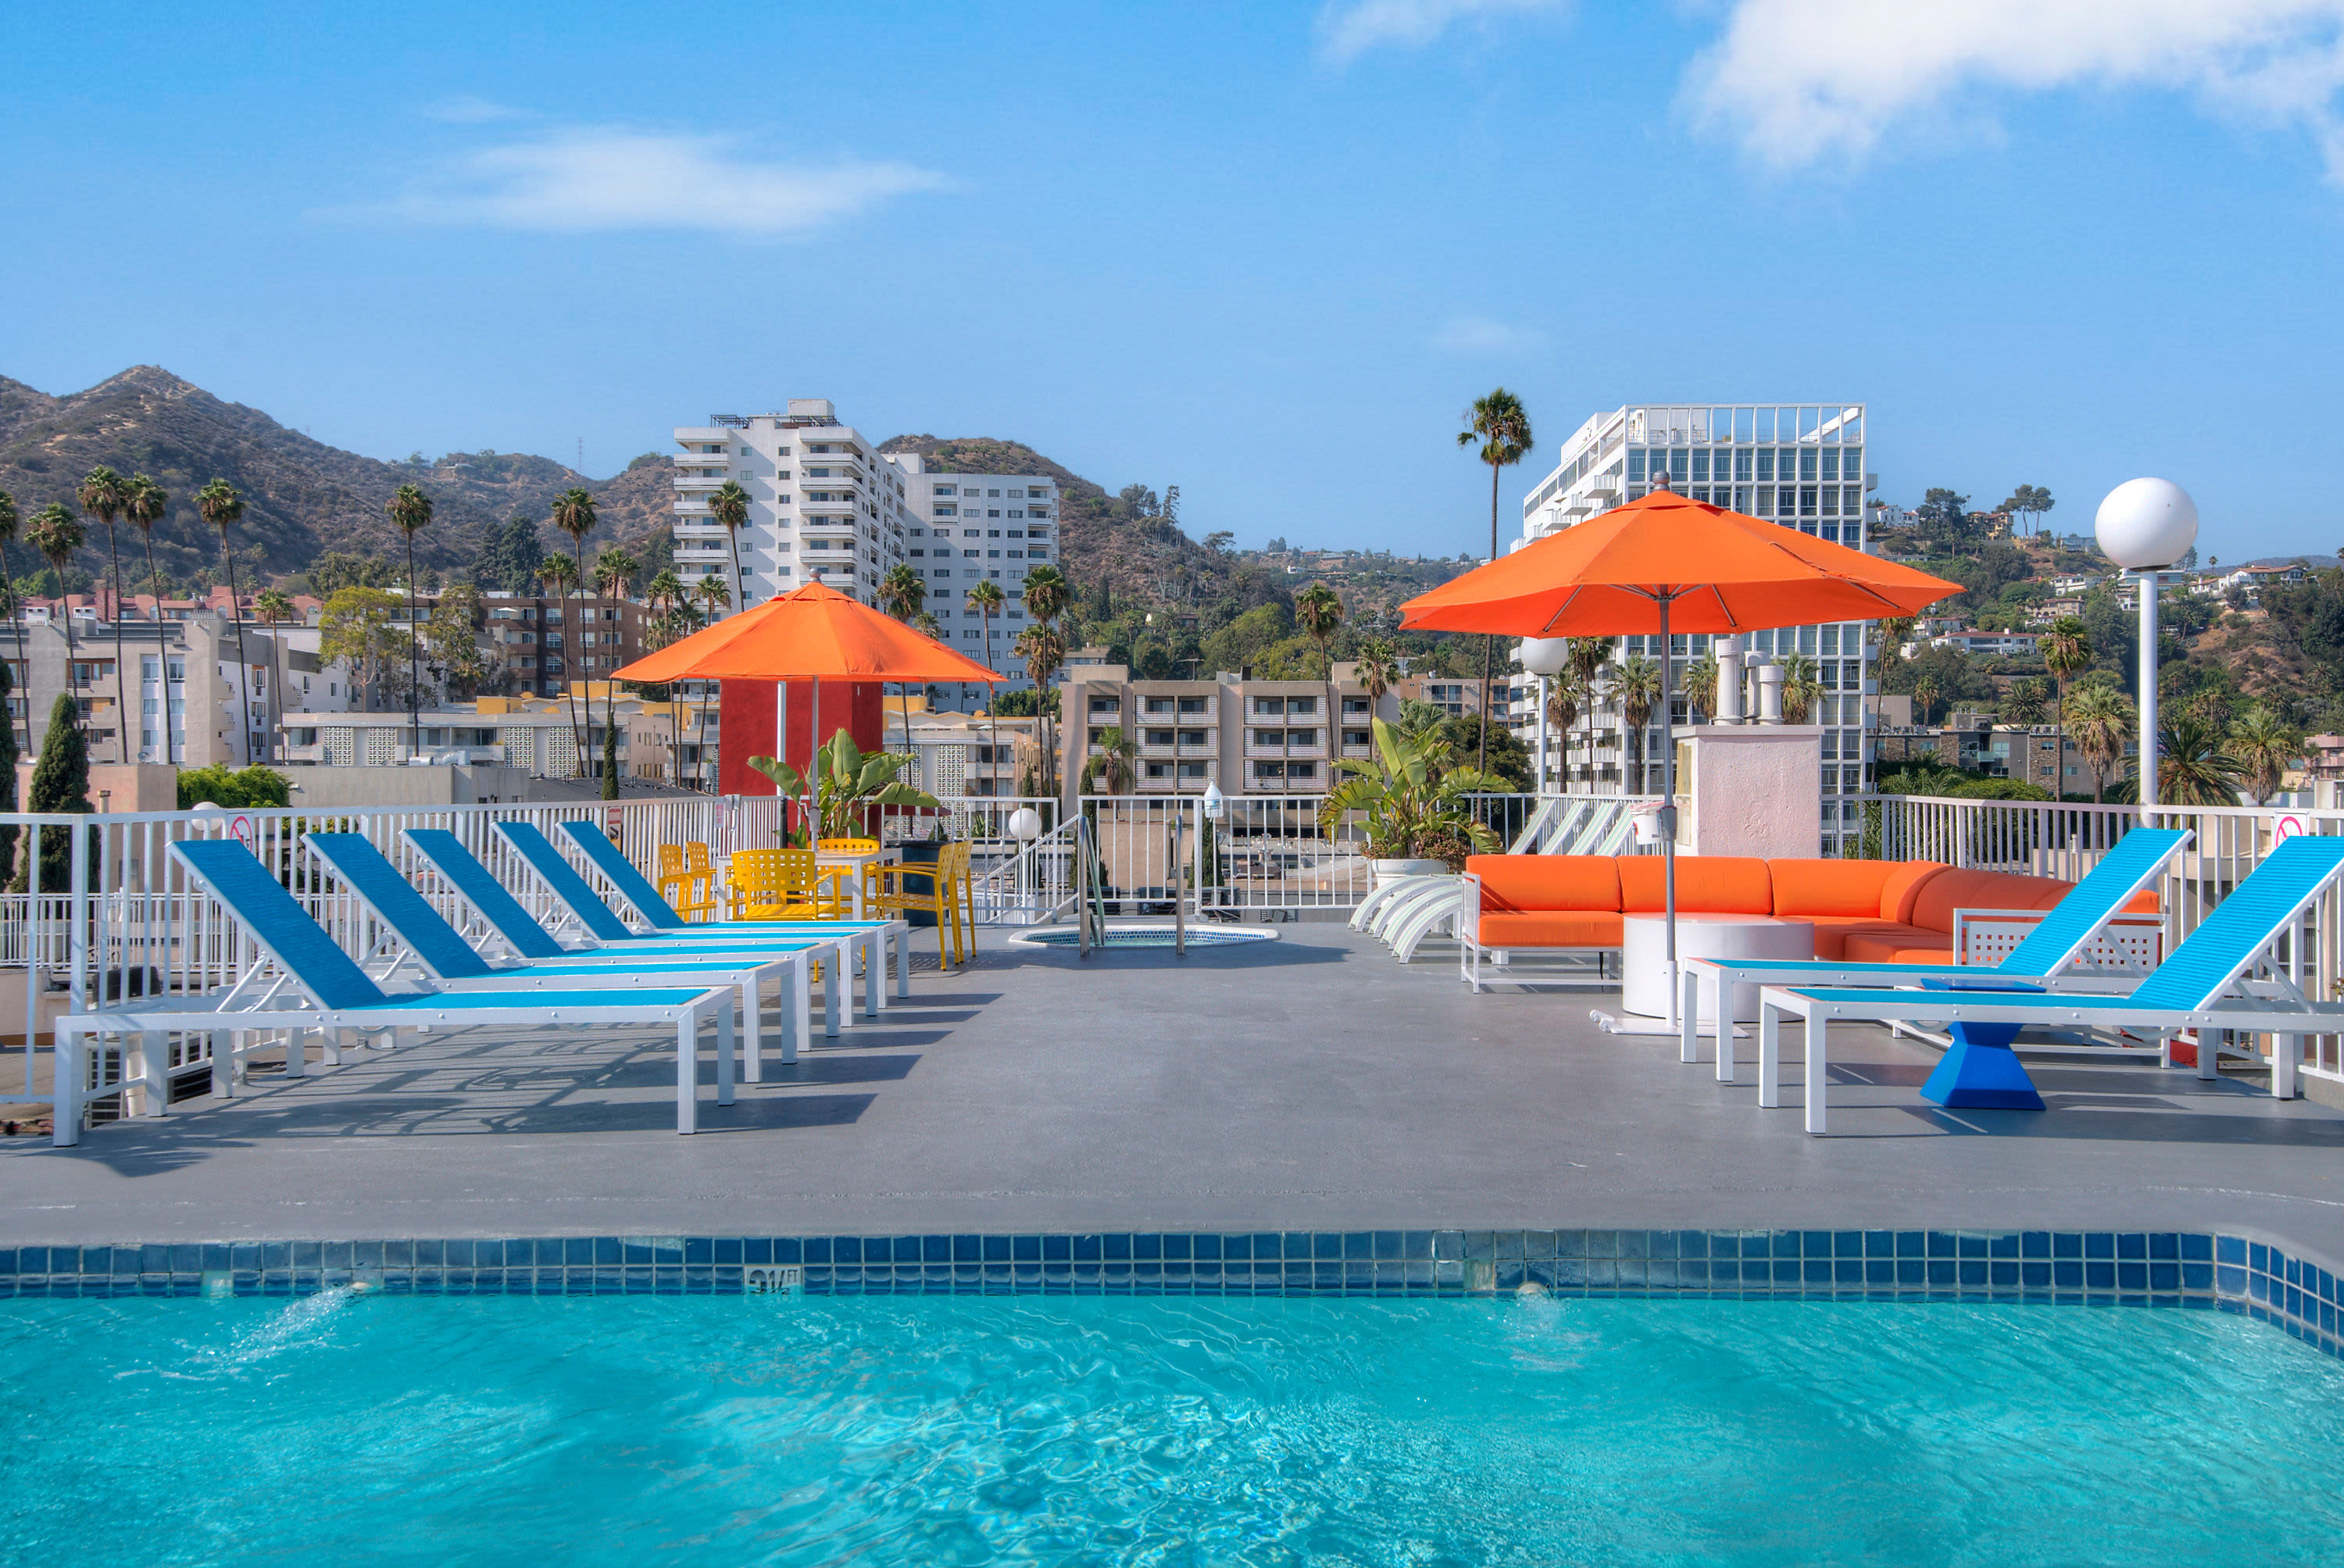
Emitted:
<point x="814" y="631"/>
<point x="1664" y="563"/>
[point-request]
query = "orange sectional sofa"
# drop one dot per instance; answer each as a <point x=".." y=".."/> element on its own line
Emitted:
<point x="1864" y="911"/>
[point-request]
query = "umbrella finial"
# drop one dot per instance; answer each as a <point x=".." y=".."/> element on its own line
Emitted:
<point x="1660" y="481"/>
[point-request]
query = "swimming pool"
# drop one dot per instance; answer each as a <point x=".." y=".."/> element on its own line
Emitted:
<point x="869" y="1432"/>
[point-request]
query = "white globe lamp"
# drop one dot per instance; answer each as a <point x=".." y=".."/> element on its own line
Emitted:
<point x="1542" y="657"/>
<point x="1026" y="824"/>
<point x="2144" y="525"/>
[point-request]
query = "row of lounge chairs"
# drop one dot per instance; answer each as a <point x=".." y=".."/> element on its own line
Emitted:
<point x="2204" y="987"/>
<point x="500" y="965"/>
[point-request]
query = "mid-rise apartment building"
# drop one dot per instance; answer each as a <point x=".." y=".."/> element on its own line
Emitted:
<point x="968" y="528"/>
<point x="1250" y="738"/>
<point x="824" y="505"/>
<point x="1799" y="465"/>
<point x="178" y="676"/>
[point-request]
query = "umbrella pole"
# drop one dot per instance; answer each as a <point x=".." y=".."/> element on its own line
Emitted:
<point x="1668" y="813"/>
<point x="782" y="750"/>
<point x="813" y="772"/>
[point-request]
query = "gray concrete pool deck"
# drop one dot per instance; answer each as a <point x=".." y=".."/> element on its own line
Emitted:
<point x="1309" y="1083"/>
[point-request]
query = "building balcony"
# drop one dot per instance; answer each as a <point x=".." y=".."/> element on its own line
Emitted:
<point x="699" y="484"/>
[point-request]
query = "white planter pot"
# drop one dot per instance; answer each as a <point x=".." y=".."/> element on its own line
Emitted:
<point x="1389" y="871"/>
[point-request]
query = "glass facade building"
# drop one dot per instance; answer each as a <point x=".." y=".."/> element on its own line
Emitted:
<point x="1801" y="465"/>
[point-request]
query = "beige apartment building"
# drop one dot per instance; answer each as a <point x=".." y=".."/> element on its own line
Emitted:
<point x="1250" y="738"/>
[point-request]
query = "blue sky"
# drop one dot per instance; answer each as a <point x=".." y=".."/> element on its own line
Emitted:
<point x="1267" y="253"/>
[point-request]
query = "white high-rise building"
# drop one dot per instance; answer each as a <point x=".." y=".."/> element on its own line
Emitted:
<point x="824" y="505"/>
<point x="967" y="528"/>
<point x="1800" y="465"/>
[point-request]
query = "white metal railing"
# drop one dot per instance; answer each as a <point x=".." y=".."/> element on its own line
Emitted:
<point x="2043" y="838"/>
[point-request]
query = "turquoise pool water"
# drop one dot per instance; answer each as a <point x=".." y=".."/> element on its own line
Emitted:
<point x="871" y="1431"/>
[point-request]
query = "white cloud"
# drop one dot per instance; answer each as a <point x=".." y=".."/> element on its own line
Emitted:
<point x="1800" y="82"/>
<point x="470" y="111"/>
<point x="1349" y="28"/>
<point x="607" y="178"/>
<point x="1480" y="336"/>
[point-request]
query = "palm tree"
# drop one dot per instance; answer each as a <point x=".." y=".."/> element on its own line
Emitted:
<point x="101" y="496"/>
<point x="1566" y="693"/>
<point x="1318" y="611"/>
<point x="1039" y="646"/>
<point x="144" y="502"/>
<point x="1924" y="697"/>
<point x="1637" y="690"/>
<point x="410" y="511"/>
<point x="1801" y="689"/>
<point x="1585" y="658"/>
<point x="2192" y="767"/>
<point x="1048" y="593"/>
<point x="1502" y="427"/>
<point x="573" y="514"/>
<point x="2067" y="648"/>
<point x="730" y="506"/>
<point x="713" y="597"/>
<point x="986" y="599"/>
<point x="1894" y="632"/>
<point x="8" y="525"/>
<point x="1378" y="668"/>
<point x="2028" y="704"/>
<point x="220" y="505"/>
<point x="666" y="596"/>
<point x="55" y="533"/>
<point x="614" y="570"/>
<point x="2101" y="718"/>
<point x="2263" y="747"/>
<point x="1117" y="754"/>
<point x="903" y="594"/>
<point x="275" y="607"/>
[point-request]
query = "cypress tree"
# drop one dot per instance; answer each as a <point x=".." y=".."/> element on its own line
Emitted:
<point x="611" y="760"/>
<point x="60" y="787"/>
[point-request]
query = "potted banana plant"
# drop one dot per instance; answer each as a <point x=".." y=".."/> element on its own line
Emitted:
<point x="1415" y="804"/>
<point x="853" y="781"/>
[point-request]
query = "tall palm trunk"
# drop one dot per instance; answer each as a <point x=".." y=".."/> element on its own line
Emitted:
<point x="162" y="652"/>
<point x="700" y="717"/>
<point x="121" y="702"/>
<point x="414" y="655"/>
<point x="243" y="677"/>
<point x="585" y="732"/>
<point x="1488" y="641"/>
<point x="992" y="706"/>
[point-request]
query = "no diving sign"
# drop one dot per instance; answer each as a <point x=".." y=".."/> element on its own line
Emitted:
<point x="2287" y="825"/>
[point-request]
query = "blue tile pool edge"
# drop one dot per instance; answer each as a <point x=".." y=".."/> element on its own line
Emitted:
<point x="2223" y="1272"/>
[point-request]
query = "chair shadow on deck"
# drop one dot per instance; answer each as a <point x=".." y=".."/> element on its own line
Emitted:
<point x="2116" y="1103"/>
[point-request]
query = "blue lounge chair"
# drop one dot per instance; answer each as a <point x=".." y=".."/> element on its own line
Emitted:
<point x="316" y="986"/>
<point x="447" y="958"/>
<point x="2199" y="986"/>
<point x="596" y="919"/>
<point x="2059" y="940"/>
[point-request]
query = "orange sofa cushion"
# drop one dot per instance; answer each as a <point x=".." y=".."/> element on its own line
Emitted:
<point x="1835" y="932"/>
<point x="1706" y="884"/>
<point x="1949" y="890"/>
<point x="1902" y="888"/>
<point x="1589" y="928"/>
<point x="1535" y="883"/>
<point x="1828" y="887"/>
<point x="1910" y="946"/>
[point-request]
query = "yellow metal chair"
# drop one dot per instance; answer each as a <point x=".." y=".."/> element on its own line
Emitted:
<point x="688" y="881"/>
<point x="777" y="884"/>
<point x="942" y="897"/>
<point x="835" y="877"/>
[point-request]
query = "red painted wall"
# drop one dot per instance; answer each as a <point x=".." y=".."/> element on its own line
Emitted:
<point x="745" y="726"/>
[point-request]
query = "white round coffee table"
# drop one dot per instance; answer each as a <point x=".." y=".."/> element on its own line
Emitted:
<point x="1643" y="955"/>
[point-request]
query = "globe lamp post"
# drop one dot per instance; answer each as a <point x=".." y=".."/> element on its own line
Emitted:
<point x="2145" y="525"/>
<point x="1543" y="657"/>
